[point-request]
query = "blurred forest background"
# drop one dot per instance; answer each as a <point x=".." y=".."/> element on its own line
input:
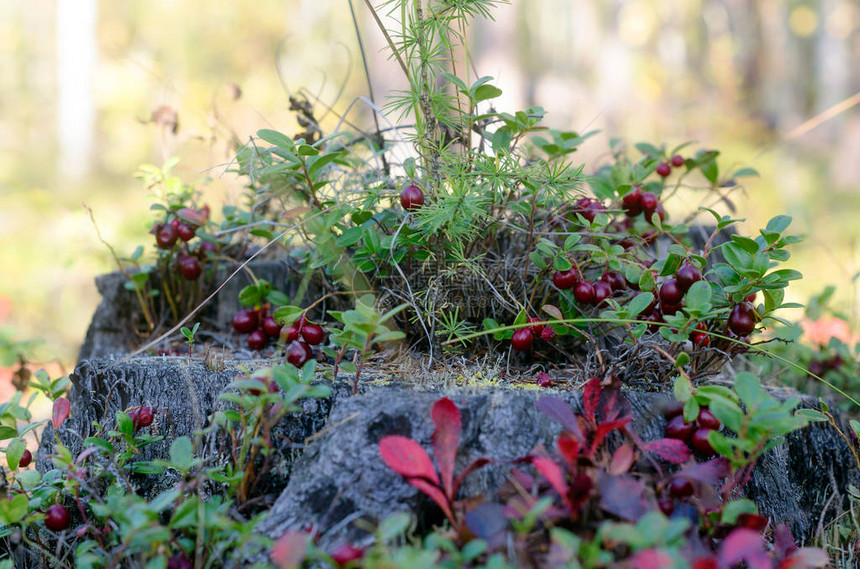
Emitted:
<point x="87" y="91"/>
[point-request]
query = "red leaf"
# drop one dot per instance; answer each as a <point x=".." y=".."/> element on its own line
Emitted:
<point x="446" y="439"/>
<point x="670" y="450"/>
<point x="476" y="464"/>
<point x="651" y="559"/>
<point x="743" y="545"/>
<point x="705" y="563"/>
<point x="290" y="549"/>
<point x="436" y="494"/>
<point x="559" y="411"/>
<point x="568" y="447"/>
<point x="406" y="457"/>
<point x="191" y="216"/>
<point x="604" y="429"/>
<point x="590" y="398"/>
<point x="62" y="406"/>
<point x="622" y="459"/>
<point x="806" y="558"/>
<point x="554" y="475"/>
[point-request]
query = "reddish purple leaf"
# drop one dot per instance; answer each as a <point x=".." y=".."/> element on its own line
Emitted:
<point x="62" y="407"/>
<point x="406" y="457"/>
<point x="622" y="496"/>
<point x="290" y="549"/>
<point x="560" y="411"/>
<point x="436" y="494"/>
<point x="446" y="439"/>
<point x="709" y="473"/>
<point x="554" y="475"/>
<point x="476" y="464"/>
<point x="590" y="399"/>
<point x="783" y="541"/>
<point x="806" y="558"/>
<point x="670" y="450"/>
<point x="651" y="559"/>
<point x="743" y="545"/>
<point x="622" y="459"/>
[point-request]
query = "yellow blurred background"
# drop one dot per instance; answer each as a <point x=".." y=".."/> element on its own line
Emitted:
<point x="769" y="83"/>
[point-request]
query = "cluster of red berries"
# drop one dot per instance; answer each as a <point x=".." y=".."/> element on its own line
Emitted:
<point x="664" y="169"/>
<point x="260" y="327"/>
<point x="586" y="292"/>
<point x="298" y="338"/>
<point x="695" y="435"/>
<point x="820" y="367"/>
<point x="176" y="235"/>
<point x="523" y="338"/>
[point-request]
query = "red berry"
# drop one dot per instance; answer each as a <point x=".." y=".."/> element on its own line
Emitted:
<point x="537" y="329"/>
<point x="411" y="198"/>
<point x="205" y="248"/>
<point x="299" y="353"/>
<point x="543" y="380"/>
<point x="245" y="321"/>
<point x="671" y="293"/>
<point x="701" y="445"/>
<point x="565" y="279"/>
<point x="631" y="203"/>
<point x="189" y="267"/>
<point x="346" y="553"/>
<point x="166" y="236"/>
<point x="56" y="518"/>
<point x="677" y="428"/>
<point x="257" y="340"/>
<point x="670" y="308"/>
<point x="179" y="562"/>
<point x="742" y="319"/>
<point x="677" y="160"/>
<point x="257" y="390"/>
<point x="700" y="339"/>
<point x="548" y="333"/>
<point x="602" y="291"/>
<point x="666" y="505"/>
<point x="522" y="340"/>
<point x="656" y="316"/>
<point x="143" y="417"/>
<point x="659" y="211"/>
<point x="707" y="420"/>
<point x="185" y="231"/>
<point x="686" y="276"/>
<point x="816" y="368"/>
<point x="26" y="459"/>
<point x="649" y="203"/>
<point x="663" y="169"/>
<point x="583" y="292"/>
<point x="680" y="487"/>
<point x="750" y="297"/>
<point x="271" y="327"/>
<point x="313" y="334"/>
<point x="289" y="334"/>
<point x="614" y="279"/>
